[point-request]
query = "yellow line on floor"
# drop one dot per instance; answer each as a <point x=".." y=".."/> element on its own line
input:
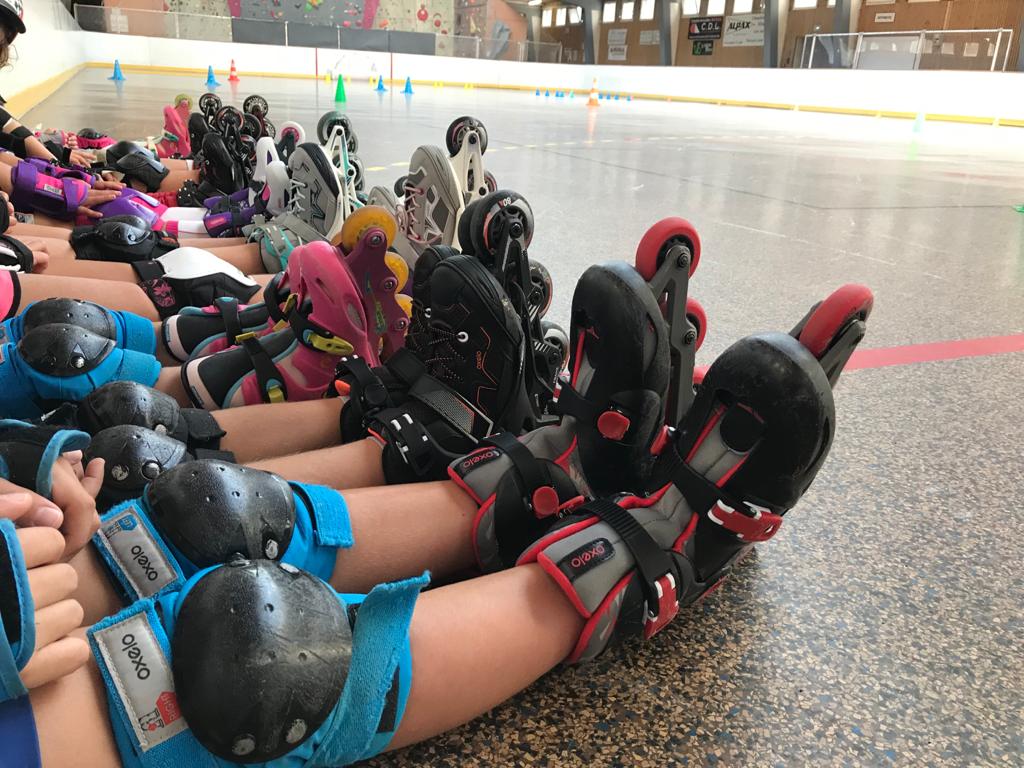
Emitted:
<point x="378" y="167"/>
<point x="23" y="101"/>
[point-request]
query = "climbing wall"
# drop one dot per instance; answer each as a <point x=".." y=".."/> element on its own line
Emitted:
<point x="327" y="12"/>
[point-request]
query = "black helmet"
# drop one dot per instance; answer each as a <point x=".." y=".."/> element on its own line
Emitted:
<point x="13" y="13"/>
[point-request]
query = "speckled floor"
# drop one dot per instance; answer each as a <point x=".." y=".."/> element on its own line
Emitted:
<point x="882" y="626"/>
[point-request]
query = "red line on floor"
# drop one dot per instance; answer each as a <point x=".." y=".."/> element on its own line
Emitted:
<point x="940" y="350"/>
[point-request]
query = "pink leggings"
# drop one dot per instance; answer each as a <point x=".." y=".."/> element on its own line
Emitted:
<point x="10" y="294"/>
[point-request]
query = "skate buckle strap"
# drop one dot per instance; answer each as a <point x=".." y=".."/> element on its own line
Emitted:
<point x="754" y="525"/>
<point x="412" y="440"/>
<point x="228" y="307"/>
<point x="654" y="568"/>
<point x="540" y="496"/>
<point x="312" y="335"/>
<point x="369" y="389"/>
<point x="267" y="375"/>
<point x="612" y="422"/>
<point x="289" y="305"/>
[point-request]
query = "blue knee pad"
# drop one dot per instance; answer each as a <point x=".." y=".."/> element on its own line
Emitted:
<point x="61" y="363"/>
<point x="127" y="330"/>
<point x="17" y="614"/>
<point x="18" y="733"/>
<point x="201" y="513"/>
<point x="205" y="676"/>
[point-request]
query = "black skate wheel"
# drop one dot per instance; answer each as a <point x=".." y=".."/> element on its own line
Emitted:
<point x="457" y="131"/>
<point x="483" y="229"/>
<point x="251" y="125"/>
<point x="356" y="172"/>
<point x="326" y="125"/>
<point x="490" y="181"/>
<point x="269" y="129"/>
<point x="256" y="105"/>
<point x="352" y="141"/>
<point x="400" y="186"/>
<point x="542" y="287"/>
<point x="228" y="117"/>
<point x="554" y="335"/>
<point x="209" y="103"/>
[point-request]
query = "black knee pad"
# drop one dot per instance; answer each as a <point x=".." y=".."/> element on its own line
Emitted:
<point x="123" y="239"/>
<point x="233" y="619"/>
<point x="122" y="149"/>
<point x="142" y="167"/>
<point x="15" y="256"/>
<point x="130" y="403"/>
<point x="208" y="508"/>
<point x="63" y="351"/>
<point x="81" y="314"/>
<point x="134" y="457"/>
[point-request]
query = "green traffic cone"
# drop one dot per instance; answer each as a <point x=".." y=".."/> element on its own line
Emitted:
<point x="339" y="93"/>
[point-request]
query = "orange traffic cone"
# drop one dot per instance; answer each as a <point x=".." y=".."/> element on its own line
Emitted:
<point x="233" y="78"/>
<point x="592" y="101"/>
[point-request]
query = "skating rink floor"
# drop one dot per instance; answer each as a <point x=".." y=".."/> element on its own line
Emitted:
<point x="883" y="625"/>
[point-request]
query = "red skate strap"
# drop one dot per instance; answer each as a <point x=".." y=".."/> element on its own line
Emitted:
<point x="668" y="606"/>
<point x="754" y="524"/>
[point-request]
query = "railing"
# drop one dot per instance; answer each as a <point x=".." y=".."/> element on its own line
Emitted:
<point x="227" y="29"/>
<point x="966" y="49"/>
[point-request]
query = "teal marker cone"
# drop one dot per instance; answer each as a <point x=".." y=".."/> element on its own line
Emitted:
<point x="380" y="85"/>
<point x="211" y="81"/>
<point x="118" y="76"/>
<point x="408" y="86"/>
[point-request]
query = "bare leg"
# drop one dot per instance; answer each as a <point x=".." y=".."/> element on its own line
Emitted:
<point x="169" y="382"/>
<point x="22" y="231"/>
<point x="107" y="293"/>
<point x="93" y="270"/>
<point x="354" y="465"/>
<point x="173" y="181"/>
<point x="211" y="243"/>
<point x="518" y="618"/>
<point x="175" y="164"/>
<point x="278" y="429"/>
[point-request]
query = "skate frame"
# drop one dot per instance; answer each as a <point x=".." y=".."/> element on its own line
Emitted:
<point x="840" y="349"/>
<point x="672" y="280"/>
<point x="468" y="164"/>
<point x="337" y="147"/>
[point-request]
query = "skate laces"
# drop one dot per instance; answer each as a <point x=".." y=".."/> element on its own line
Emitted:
<point x="432" y="235"/>
<point x="447" y="352"/>
<point x="296" y="195"/>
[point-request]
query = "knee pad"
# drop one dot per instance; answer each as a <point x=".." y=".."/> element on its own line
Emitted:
<point x="122" y="239"/>
<point x="17" y="614"/>
<point x="206" y="665"/>
<point x="144" y="168"/>
<point x="28" y="452"/>
<point x="34" y="191"/>
<point x="90" y="138"/>
<point x="134" y="456"/>
<point x="60" y="363"/>
<point x="125" y="329"/>
<point x="15" y="256"/>
<point x="130" y="403"/>
<point x="206" y="512"/>
<point x="191" y="277"/>
<point x="115" y="152"/>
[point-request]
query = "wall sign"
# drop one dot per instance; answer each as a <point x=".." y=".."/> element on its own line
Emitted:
<point x="885" y="18"/>
<point x="705" y="28"/>
<point x="744" y="29"/>
<point x="616" y="53"/>
<point x="703" y="47"/>
<point x="616" y="37"/>
<point x="650" y="37"/>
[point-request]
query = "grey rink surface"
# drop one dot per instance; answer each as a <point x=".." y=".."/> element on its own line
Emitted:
<point x="882" y="625"/>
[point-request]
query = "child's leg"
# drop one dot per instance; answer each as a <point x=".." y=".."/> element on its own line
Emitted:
<point x="211" y="243"/>
<point x="23" y="231"/>
<point x="107" y="293"/>
<point x="173" y="181"/>
<point x="354" y="465"/>
<point x="518" y="618"/>
<point x="279" y="429"/>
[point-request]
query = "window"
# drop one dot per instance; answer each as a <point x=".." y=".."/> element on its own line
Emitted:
<point x="560" y="17"/>
<point x="609" y="13"/>
<point x="716" y="7"/>
<point x="800" y="4"/>
<point x="742" y="6"/>
<point x="691" y="7"/>
<point x="646" y="10"/>
<point x="879" y="2"/>
<point x="575" y="14"/>
<point x="627" y="11"/>
<point x="831" y="3"/>
<point x="545" y="18"/>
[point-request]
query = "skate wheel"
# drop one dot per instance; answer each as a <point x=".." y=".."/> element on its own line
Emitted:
<point x="325" y="126"/>
<point x="252" y="125"/>
<point x="543" y="287"/>
<point x="293" y="131"/>
<point x="698" y="319"/>
<point x="362" y="221"/>
<point x="351" y="141"/>
<point x="209" y="103"/>
<point x="490" y="181"/>
<point x="405" y="302"/>
<point x="269" y="129"/>
<point x="657" y="241"/>
<point x="831" y="316"/>
<point x="505" y="202"/>
<point x="557" y="337"/>
<point x="399" y="268"/>
<point x="256" y="105"/>
<point x="457" y="131"/>
<point x="183" y="98"/>
<point x="229" y="117"/>
<point x="400" y="187"/>
<point x="355" y="167"/>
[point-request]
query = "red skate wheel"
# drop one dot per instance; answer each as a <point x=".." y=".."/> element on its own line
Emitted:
<point x="659" y="238"/>
<point x="698" y="318"/>
<point x="849" y="302"/>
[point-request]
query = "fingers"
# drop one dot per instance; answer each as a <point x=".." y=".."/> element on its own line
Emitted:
<point x="55" y="621"/>
<point x="40" y="261"/>
<point x="36" y="511"/>
<point x="53" y="661"/>
<point x="93" y="480"/>
<point x="89" y="213"/>
<point x="50" y="584"/>
<point x="40" y="546"/>
<point x="80" y="518"/>
<point x="72" y="140"/>
<point x="14" y="505"/>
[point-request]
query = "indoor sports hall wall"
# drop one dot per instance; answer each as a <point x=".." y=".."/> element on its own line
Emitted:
<point x="972" y="96"/>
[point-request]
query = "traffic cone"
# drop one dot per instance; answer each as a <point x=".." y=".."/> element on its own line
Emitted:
<point x="233" y="77"/>
<point x="380" y="85"/>
<point x="408" y="86"/>
<point x="118" y="76"/>
<point x="211" y="81"/>
<point x="592" y="101"/>
<point x="537" y="92"/>
<point x="339" y="92"/>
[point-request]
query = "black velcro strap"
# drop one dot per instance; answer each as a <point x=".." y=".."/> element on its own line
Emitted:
<point x="368" y="388"/>
<point x="264" y="367"/>
<point x="406" y="366"/>
<point x="414" y="444"/>
<point x="652" y="562"/>
<point x="206" y="453"/>
<point x="148" y="270"/>
<point x="272" y="297"/>
<point x="530" y="469"/>
<point x="203" y="428"/>
<point x="229" y="312"/>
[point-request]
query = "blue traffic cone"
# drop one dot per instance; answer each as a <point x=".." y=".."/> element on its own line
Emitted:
<point x="380" y="84"/>
<point x="546" y="94"/>
<point x="408" y="86"/>
<point x="537" y="92"/>
<point x="118" y="76"/>
<point x="616" y="97"/>
<point x="211" y="81"/>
